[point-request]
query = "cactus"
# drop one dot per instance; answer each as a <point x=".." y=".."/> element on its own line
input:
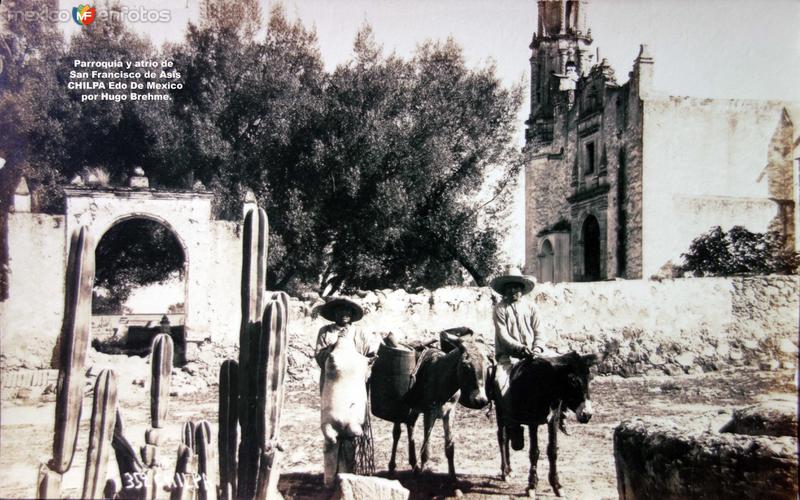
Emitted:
<point x="128" y="463"/>
<point x="152" y="436"/>
<point x="161" y="373"/>
<point x="49" y="483"/>
<point x="182" y="490"/>
<point x="100" y="434"/>
<point x="272" y="360"/>
<point x="187" y="435"/>
<point x="228" y="430"/>
<point x="259" y="378"/>
<point x="254" y="267"/>
<point x="110" y="489"/>
<point x="74" y="346"/>
<point x="272" y="363"/>
<point x="149" y="454"/>
<point x="269" y="473"/>
<point x="206" y="467"/>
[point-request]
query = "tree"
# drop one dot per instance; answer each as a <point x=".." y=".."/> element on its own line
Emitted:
<point x="250" y="110"/>
<point x="30" y="46"/>
<point x="739" y="252"/>
<point x="418" y="160"/>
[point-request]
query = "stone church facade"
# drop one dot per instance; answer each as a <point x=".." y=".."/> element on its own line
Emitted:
<point x="620" y="179"/>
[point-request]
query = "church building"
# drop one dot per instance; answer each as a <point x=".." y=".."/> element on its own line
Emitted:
<point x="620" y="178"/>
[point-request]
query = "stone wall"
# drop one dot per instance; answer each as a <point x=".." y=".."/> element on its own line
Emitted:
<point x="220" y="304"/>
<point x="31" y="322"/>
<point x="670" y="326"/>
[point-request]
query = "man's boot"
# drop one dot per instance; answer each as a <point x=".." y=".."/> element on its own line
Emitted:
<point x="517" y="436"/>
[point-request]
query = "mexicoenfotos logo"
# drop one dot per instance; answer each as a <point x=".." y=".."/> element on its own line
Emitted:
<point x="83" y="15"/>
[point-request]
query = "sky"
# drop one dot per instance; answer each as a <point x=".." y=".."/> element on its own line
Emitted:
<point x="705" y="48"/>
<point x="747" y="49"/>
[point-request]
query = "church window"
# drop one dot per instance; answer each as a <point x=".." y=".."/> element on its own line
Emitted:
<point x="589" y="159"/>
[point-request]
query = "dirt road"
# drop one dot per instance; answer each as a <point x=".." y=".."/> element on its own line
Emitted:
<point x="586" y="460"/>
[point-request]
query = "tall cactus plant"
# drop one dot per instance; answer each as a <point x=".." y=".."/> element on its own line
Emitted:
<point x="161" y="354"/>
<point x="251" y="392"/>
<point x="161" y="374"/>
<point x="272" y="363"/>
<point x="100" y="434"/>
<point x="74" y="346"/>
<point x="254" y="271"/>
<point x="228" y="434"/>
<point x="206" y="466"/>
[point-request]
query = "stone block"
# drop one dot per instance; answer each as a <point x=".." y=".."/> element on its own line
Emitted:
<point x="774" y="418"/>
<point x="657" y="458"/>
<point x="355" y="487"/>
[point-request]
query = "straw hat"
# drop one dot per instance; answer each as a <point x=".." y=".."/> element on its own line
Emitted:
<point x="328" y="310"/>
<point x="513" y="275"/>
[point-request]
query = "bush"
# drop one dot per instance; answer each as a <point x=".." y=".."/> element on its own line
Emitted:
<point x="738" y="252"/>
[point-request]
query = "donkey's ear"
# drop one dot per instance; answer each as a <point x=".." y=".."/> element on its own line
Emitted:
<point x="589" y="359"/>
<point x="453" y="339"/>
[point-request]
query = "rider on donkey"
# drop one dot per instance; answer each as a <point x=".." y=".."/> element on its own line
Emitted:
<point x="518" y="335"/>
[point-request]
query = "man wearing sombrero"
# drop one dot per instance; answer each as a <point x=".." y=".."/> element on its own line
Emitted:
<point x="343" y="313"/>
<point x="518" y="333"/>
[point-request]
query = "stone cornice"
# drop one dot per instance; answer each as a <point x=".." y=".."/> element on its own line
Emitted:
<point x="589" y="193"/>
<point x="123" y="192"/>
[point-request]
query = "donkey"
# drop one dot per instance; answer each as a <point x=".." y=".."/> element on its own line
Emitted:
<point x="442" y="379"/>
<point x="540" y="391"/>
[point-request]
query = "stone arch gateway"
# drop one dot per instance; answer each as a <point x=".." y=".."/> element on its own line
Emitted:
<point x="38" y="246"/>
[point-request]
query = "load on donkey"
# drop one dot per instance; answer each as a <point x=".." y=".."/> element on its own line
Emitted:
<point x="407" y="382"/>
<point x="342" y="352"/>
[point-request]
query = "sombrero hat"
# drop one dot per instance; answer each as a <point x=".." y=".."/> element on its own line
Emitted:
<point x="328" y="310"/>
<point x="513" y="275"/>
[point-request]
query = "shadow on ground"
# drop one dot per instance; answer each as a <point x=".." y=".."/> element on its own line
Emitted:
<point x="300" y="485"/>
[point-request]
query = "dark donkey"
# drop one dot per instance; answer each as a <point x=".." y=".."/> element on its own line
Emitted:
<point x="441" y="380"/>
<point x="541" y="390"/>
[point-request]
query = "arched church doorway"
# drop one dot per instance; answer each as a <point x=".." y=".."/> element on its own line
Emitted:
<point x="140" y="287"/>
<point x="547" y="263"/>
<point x="590" y="234"/>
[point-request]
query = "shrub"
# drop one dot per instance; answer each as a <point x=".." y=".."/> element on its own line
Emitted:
<point x="738" y="252"/>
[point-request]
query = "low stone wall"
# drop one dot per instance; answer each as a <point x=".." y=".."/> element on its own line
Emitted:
<point x="673" y="326"/>
<point x="659" y="459"/>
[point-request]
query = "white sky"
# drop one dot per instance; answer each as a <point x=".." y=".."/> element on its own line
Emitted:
<point x="706" y="48"/>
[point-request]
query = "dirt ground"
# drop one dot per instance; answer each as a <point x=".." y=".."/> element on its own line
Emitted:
<point x="586" y="460"/>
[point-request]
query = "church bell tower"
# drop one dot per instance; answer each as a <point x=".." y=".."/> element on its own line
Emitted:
<point x="561" y="54"/>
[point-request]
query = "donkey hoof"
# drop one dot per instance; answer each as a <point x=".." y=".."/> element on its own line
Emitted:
<point x="531" y="492"/>
<point x="417" y="470"/>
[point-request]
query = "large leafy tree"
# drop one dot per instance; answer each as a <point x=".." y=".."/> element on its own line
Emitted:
<point x="250" y="111"/>
<point x="418" y="160"/>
